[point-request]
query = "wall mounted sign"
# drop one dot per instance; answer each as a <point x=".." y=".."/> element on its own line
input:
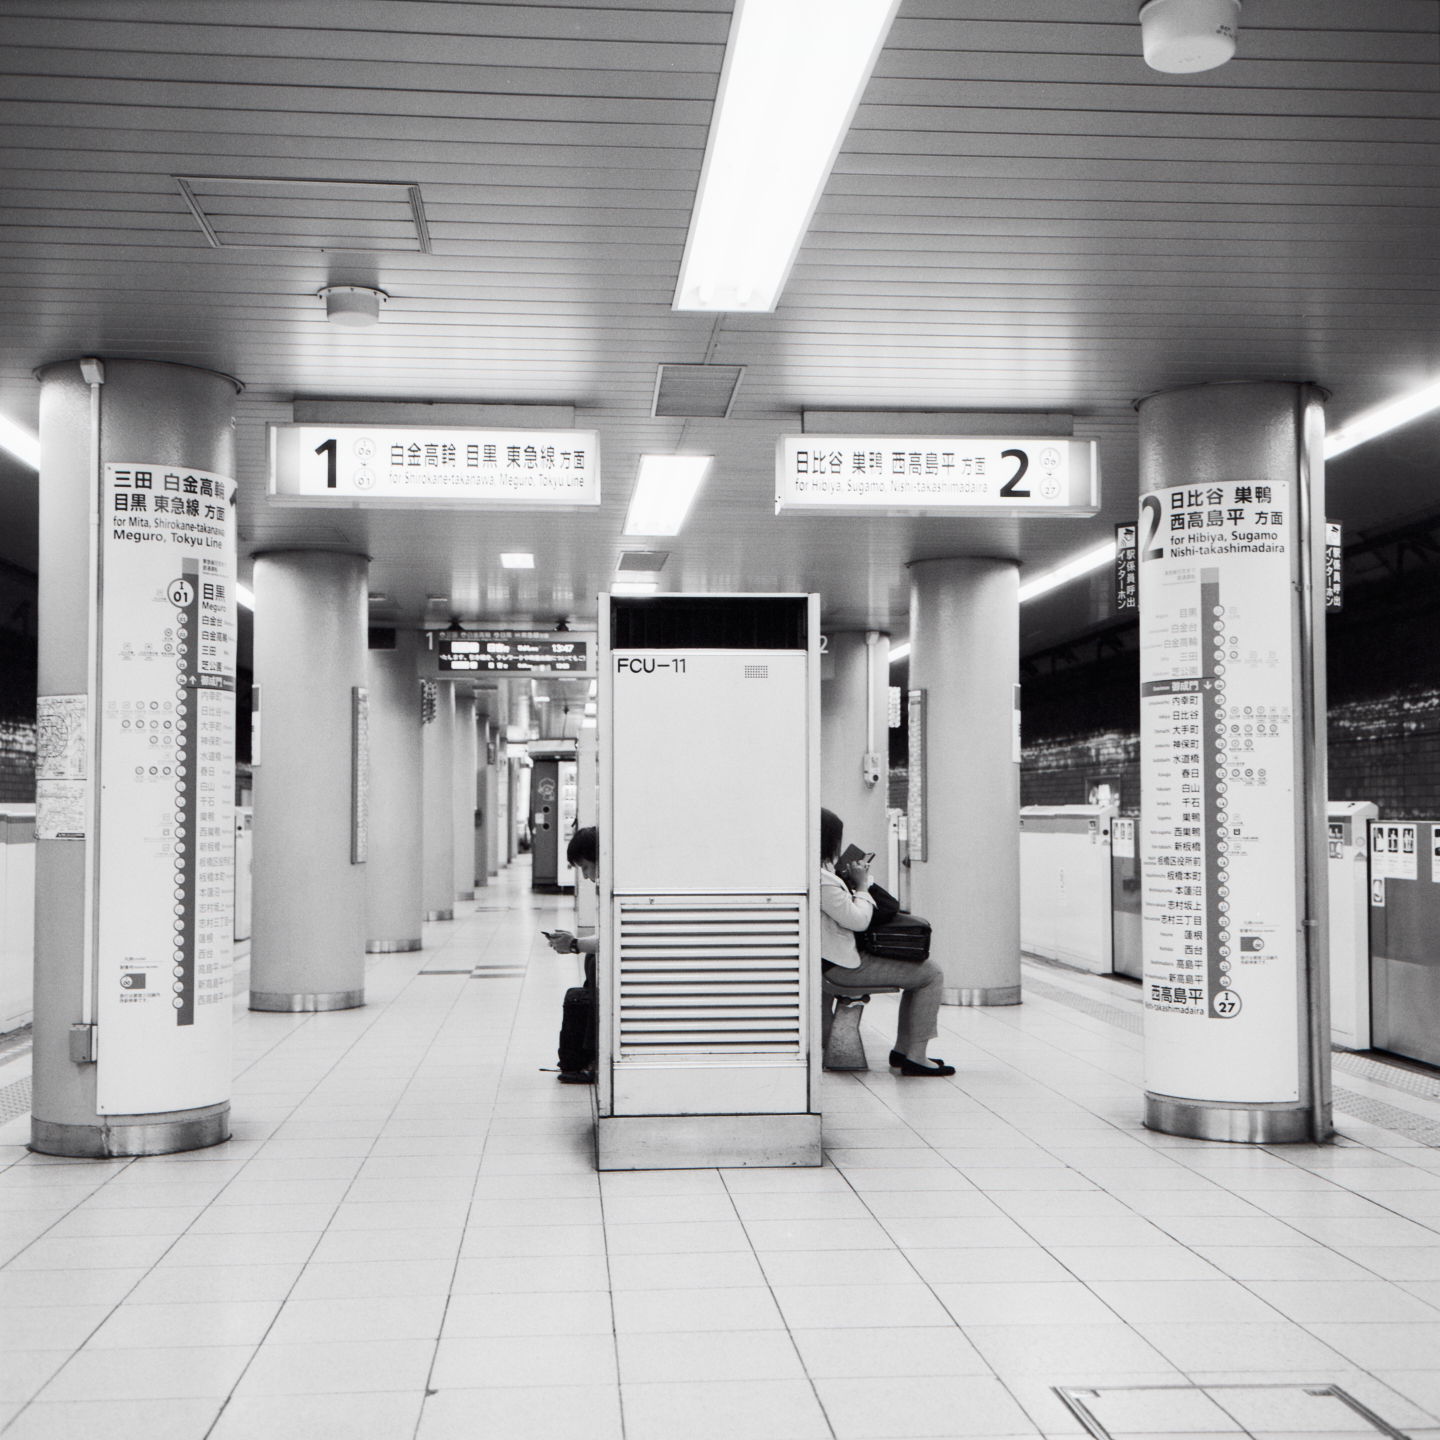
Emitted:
<point x="389" y="465"/>
<point x="166" y="859"/>
<point x="510" y="652"/>
<point x="1127" y="575"/>
<point x="1334" y="567"/>
<point x="931" y="474"/>
<point x="1219" y="771"/>
<point x="915" y="792"/>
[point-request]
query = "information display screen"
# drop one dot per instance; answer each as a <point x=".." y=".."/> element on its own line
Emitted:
<point x="509" y="652"/>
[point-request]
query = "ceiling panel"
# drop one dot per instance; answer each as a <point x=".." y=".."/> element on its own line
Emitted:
<point x="1023" y="217"/>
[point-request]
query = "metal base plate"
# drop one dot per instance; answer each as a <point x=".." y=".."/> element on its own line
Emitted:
<point x="334" y="1000"/>
<point x="124" y="1135"/>
<point x="1237" y="1124"/>
<point x="439" y="914"/>
<point x="392" y="947"/>
<point x="703" y="1142"/>
<point x="991" y="995"/>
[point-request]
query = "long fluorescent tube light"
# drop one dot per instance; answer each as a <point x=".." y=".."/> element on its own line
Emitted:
<point x="517" y="560"/>
<point x="634" y="587"/>
<point x="900" y="651"/>
<point x="793" y="76"/>
<point x="1082" y="564"/>
<point x="664" y="490"/>
<point x="1381" y="419"/>
<point x="23" y="444"/>
<point x="245" y="596"/>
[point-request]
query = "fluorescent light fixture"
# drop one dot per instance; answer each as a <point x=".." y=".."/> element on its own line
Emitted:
<point x="1381" y="419"/>
<point x="634" y="587"/>
<point x="664" y="490"/>
<point x="245" y="596"/>
<point x="518" y="560"/>
<point x="23" y="444"/>
<point x="591" y="708"/>
<point x="539" y="699"/>
<point x="1082" y="564"/>
<point x="900" y="651"/>
<point x="793" y="76"/>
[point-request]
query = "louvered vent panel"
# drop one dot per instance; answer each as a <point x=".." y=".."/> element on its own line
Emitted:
<point x="709" y="977"/>
<point x="697" y="392"/>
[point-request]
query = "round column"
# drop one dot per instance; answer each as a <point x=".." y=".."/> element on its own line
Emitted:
<point x="107" y="1027"/>
<point x="394" y="873"/>
<point x="438" y="759"/>
<point x="965" y="773"/>
<point x="308" y="940"/>
<point x="855" y="741"/>
<point x="1233" y="765"/>
<point x="464" y="795"/>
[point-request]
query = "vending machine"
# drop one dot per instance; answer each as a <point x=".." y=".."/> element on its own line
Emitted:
<point x="709" y="862"/>
<point x="552" y="813"/>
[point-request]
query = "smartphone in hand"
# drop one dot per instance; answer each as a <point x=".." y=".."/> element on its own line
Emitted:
<point x="853" y="855"/>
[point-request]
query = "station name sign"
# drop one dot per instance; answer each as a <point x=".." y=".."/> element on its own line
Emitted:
<point x="937" y="475"/>
<point x="383" y="465"/>
<point x="511" y="652"/>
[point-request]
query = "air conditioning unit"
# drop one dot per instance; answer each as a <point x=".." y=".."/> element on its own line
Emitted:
<point x="709" y="843"/>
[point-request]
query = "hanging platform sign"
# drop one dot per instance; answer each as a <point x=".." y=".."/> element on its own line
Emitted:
<point x="384" y="465"/>
<point x="935" y="475"/>
<point x="1219" y="770"/>
<point x="166" y="859"/>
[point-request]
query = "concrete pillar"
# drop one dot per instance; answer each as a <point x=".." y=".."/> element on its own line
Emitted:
<point x="394" y="882"/>
<point x="308" y="946"/>
<point x="855" y="740"/>
<point x="965" y="773"/>
<point x="438" y="758"/>
<point x="463" y="799"/>
<point x="129" y="1059"/>
<point x="1232" y="729"/>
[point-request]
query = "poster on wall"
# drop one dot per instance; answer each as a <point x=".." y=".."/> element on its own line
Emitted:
<point x="1219" y="773"/>
<point x="166" y="860"/>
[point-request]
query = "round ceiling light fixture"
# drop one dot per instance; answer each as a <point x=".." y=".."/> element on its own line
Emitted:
<point x="352" y="307"/>
<point x="1181" y="37"/>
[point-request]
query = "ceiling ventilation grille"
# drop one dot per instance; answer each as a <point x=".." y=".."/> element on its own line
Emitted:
<point x="702" y="976"/>
<point x="648" y="562"/>
<point x="238" y="213"/>
<point x="696" y="392"/>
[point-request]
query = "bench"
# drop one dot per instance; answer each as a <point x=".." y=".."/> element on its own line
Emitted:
<point x="843" y="1009"/>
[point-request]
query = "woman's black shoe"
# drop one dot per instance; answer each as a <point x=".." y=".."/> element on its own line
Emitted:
<point x="897" y="1060"/>
<point x="909" y="1067"/>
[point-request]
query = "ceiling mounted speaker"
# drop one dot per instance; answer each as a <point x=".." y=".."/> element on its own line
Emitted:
<point x="1181" y="37"/>
<point x="352" y="307"/>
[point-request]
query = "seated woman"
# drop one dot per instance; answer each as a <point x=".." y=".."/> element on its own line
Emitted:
<point x="845" y="907"/>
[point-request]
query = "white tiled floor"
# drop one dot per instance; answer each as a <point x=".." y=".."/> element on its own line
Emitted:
<point x="406" y="1238"/>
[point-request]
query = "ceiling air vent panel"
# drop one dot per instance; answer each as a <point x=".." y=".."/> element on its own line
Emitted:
<point x="696" y="392"/>
<point x="238" y="213"/>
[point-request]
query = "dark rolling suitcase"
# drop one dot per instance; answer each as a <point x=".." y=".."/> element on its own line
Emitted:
<point x="577" y="1033"/>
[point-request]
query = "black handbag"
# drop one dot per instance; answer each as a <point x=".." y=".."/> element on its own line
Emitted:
<point x="894" y="934"/>
<point x="887" y="907"/>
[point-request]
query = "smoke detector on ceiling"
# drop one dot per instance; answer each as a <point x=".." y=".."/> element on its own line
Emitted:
<point x="1182" y="37"/>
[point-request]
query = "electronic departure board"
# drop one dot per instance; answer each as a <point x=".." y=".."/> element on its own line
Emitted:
<point x="511" y="652"/>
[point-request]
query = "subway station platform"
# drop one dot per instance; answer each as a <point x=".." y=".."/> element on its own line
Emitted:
<point x="406" y="1237"/>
